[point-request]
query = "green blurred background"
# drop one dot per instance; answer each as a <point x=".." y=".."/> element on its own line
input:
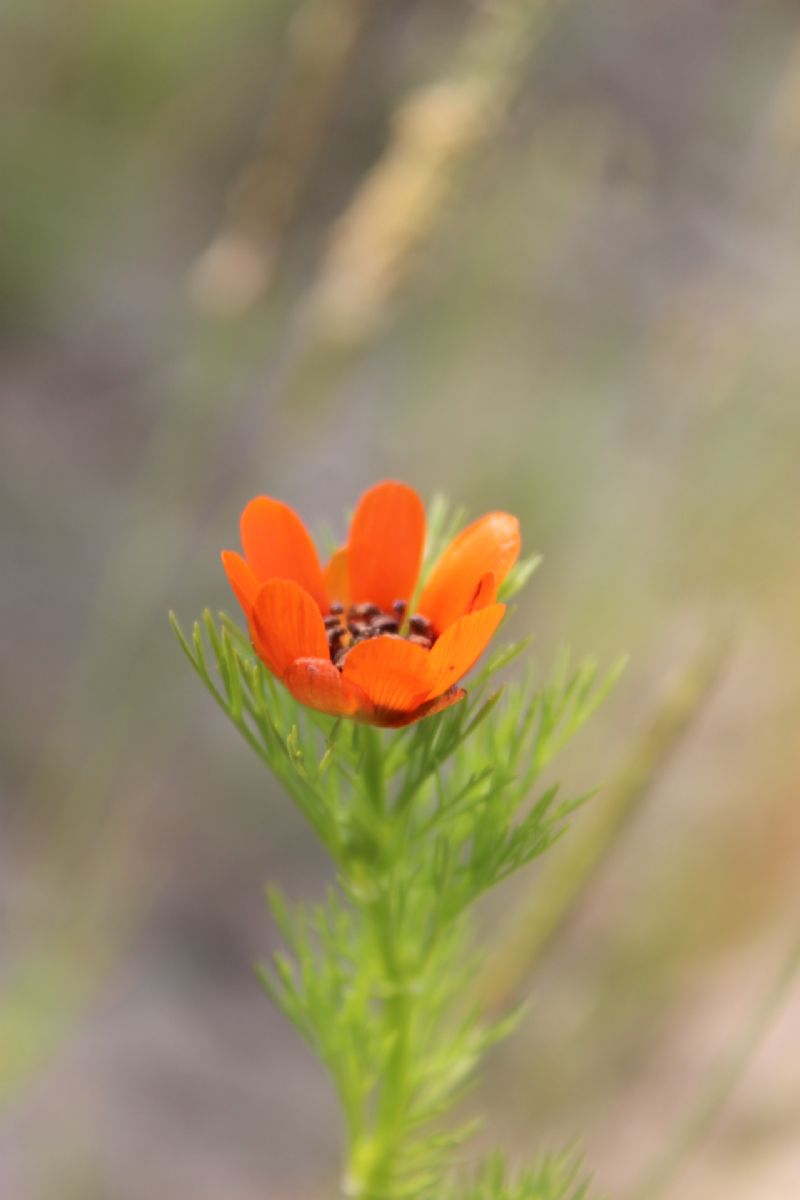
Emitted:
<point x="541" y="257"/>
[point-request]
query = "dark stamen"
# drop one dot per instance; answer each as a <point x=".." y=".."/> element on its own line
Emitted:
<point x="385" y="624"/>
<point x="345" y="627"/>
<point x="364" y="610"/>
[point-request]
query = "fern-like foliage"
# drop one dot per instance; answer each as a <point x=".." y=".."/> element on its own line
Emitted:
<point x="419" y="823"/>
<point x="553" y="1178"/>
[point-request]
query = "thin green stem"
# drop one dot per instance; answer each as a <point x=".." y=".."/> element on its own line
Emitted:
<point x="373" y="1157"/>
<point x="398" y="1015"/>
<point x="374" y="768"/>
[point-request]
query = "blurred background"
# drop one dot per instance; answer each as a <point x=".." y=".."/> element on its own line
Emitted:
<point x="541" y="257"/>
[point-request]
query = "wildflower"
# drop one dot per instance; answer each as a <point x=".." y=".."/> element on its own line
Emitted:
<point x="342" y="638"/>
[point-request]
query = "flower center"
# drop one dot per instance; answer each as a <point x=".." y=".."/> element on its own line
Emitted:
<point x="346" y="627"/>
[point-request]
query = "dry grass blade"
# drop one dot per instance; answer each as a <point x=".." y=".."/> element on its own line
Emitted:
<point x="436" y="132"/>
<point x="236" y="269"/>
<point x="697" y="1122"/>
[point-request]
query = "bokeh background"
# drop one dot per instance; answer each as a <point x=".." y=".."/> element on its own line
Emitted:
<point x="537" y="256"/>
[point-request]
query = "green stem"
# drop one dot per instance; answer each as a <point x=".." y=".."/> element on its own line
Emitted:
<point x="374" y="1155"/>
<point x="398" y="1014"/>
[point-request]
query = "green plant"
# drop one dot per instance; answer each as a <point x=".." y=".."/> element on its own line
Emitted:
<point x="419" y="823"/>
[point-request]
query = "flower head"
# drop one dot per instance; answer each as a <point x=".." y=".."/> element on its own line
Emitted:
<point x="341" y="638"/>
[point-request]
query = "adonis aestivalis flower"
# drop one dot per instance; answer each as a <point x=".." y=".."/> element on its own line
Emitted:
<point x="343" y="638"/>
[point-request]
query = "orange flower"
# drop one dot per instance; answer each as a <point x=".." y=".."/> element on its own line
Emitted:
<point x="341" y="639"/>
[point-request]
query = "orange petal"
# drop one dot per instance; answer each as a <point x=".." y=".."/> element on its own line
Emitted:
<point x="460" y="647"/>
<point x="241" y="578"/>
<point x="288" y="625"/>
<point x="485" y="592"/>
<point x="337" y="576"/>
<point x="387" y="537"/>
<point x="397" y="720"/>
<point x="277" y="545"/>
<point x="391" y="671"/>
<point x="317" y="683"/>
<point x="490" y="544"/>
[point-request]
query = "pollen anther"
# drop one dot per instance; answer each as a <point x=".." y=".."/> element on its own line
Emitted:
<point x="346" y="627"/>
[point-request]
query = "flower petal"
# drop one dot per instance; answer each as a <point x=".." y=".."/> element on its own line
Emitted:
<point x="394" y="673"/>
<point x="337" y="576"/>
<point x="491" y="543"/>
<point x="397" y="720"/>
<point x="460" y="647"/>
<point x="485" y="592"/>
<point x="277" y="545"/>
<point x="288" y="625"/>
<point x="317" y="683"/>
<point x="241" y="578"/>
<point x="387" y="537"/>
